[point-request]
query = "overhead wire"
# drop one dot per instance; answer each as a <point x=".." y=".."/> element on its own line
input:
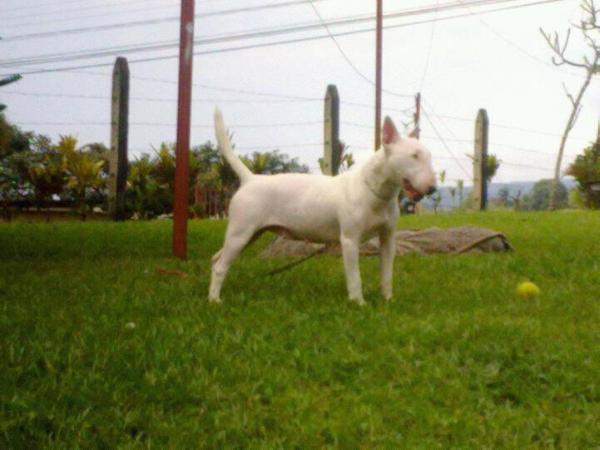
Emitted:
<point x="509" y="127"/>
<point x="165" y="124"/>
<point x="429" y="47"/>
<point x="80" y="9"/>
<point x="253" y="46"/>
<point x="458" y="163"/>
<point x="260" y="33"/>
<point x="261" y="45"/>
<point x="284" y="98"/>
<point x="513" y="44"/>
<point x="344" y="54"/>
<point x="144" y="22"/>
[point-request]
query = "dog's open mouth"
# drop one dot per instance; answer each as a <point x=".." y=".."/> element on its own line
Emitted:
<point x="412" y="193"/>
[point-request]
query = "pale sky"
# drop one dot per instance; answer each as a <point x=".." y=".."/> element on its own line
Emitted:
<point x="496" y="61"/>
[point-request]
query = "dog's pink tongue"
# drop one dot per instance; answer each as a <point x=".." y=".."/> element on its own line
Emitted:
<point x="412" y="193"/>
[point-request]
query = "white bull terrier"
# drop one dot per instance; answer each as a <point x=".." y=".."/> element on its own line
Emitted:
<point x="349" y="208"/>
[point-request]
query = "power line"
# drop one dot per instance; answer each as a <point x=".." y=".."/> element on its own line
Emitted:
<point x="491" y="144"/>
<point x="260" y="33"/>
<point x="155" y="21"/>
<point x="39" y="5"/>
<point x="89" y="8"/>
<point x="444" y="142"/>
<point x="343" y="53"/>
<point x="514" y="45"/>
<point x="162" y="45"/>
<point x="89" y="16"/>
<point x="278" y="146"/>
<point x="283" y="100"/>
<point x="512" y="164"/>
<point x="152" y="99"/>
<point x="267" y="44"/>
<point x="71" y="2"/>
<point x="138" y="10"/>
<point x="509" y="127"/>
<point x="495" y="144"/>
<point x="429" y="47"/>
<point x="164" y="124"/>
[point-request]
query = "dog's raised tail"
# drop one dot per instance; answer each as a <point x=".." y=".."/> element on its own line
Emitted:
<point x="227" y="151"/>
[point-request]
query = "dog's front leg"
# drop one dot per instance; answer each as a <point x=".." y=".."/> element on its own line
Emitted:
<point x="387" y="251"/>
<point x="350" y="251"/>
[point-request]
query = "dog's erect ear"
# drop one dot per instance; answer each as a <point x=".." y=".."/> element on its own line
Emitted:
<point x="414" y="133"/>
<point x="390" y="133"/>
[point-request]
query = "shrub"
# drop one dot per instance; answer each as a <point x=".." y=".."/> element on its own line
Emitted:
<point x="586" y="171"/>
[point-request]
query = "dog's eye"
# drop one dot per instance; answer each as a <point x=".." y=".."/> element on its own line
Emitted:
<point x="415" y="155"/>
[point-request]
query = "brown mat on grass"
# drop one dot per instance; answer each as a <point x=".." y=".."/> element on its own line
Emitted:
<point x="466" y="239"/>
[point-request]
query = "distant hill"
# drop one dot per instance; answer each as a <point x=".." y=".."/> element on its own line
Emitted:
<point x="493" y="192"/>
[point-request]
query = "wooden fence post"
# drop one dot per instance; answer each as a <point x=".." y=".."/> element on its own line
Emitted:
<point x="480" y="175"/>
<point x="117" y="178"/>
<point x="331" y="139"/>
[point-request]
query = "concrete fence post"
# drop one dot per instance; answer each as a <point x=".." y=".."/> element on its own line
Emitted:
<point x="480" y="175"/>
<point x="118" y="140"/>
<point x="331" y="139"/>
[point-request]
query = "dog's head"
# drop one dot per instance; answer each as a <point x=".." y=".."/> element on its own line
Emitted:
<point x="408" y="162"/>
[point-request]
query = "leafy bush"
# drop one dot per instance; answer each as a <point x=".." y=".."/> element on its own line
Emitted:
<point x="35" y="171"/>
<point x="539" y="199"/>
<point x="586" y="171"/>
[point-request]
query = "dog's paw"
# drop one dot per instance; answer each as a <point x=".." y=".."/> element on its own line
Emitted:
<point x="214" y="300"/>
<point x="359" y="301"/>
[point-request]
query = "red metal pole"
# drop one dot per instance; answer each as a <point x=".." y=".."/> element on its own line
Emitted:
<point x="186" y="57"/>
<point x="379" y="39"/>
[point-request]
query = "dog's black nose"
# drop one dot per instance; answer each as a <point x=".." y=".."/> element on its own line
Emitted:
<point x="431" y="190"/>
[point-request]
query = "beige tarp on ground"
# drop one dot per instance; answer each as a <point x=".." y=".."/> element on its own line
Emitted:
<point x="466" y="239"/>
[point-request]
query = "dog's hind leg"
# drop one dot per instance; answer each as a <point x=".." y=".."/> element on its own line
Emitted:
<point x="236" y="239"/>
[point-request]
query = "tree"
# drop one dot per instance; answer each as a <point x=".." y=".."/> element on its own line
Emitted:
<point x="452" y="191"/>
<point x="346" y="159"/>
<point x="586" y="171"/>
<point x="504" y="196"/>
<point x="143" y="192"/>
<point x="539" y="198"/>
<point x="46" y="172"/>
<point x="493" y="164"/>
<point x="8" y="80"/>
<point x="460" y="187"/>
<point x="436" y="197"/>
<point x="83" y="172"/>
<point x="517" y="201"/>
<point x="589" y="64"/>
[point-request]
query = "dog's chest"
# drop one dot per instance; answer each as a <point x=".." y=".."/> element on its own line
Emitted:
<point x="373" y="220"/>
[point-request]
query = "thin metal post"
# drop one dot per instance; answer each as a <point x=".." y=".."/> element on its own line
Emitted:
<point x="378" y="64"/>
<point x="186" y="57"/>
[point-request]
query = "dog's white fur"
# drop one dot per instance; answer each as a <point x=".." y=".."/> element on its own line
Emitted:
<point x="349" y="208"/>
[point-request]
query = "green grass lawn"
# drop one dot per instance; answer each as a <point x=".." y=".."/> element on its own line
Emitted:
<point x="99" y="350"/>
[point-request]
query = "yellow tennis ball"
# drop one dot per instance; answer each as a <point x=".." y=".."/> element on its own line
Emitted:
<point x="527" y="290"/>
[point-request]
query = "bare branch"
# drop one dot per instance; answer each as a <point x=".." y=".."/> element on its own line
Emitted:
<point x="559" y="58"/>
<point x="576" y="116"/>
<point x="589" y="9"/>
<point x="591" y="63"/>
<point x="569" y="95"/>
